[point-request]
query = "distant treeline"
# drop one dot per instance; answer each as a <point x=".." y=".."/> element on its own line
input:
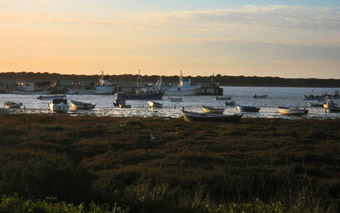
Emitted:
<point x="222" y="80"/>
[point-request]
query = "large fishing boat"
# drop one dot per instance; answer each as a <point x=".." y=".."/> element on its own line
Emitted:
<point x="105" y="87"/>
<point x="24" y="87"/>
<point x="183" y="88"/>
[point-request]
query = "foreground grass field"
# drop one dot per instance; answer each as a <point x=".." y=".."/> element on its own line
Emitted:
<point x="270" y="164"/>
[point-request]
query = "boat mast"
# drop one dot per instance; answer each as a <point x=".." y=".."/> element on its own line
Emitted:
<point x="139" y="80"/>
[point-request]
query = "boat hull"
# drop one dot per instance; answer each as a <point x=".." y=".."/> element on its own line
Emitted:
<point x="292" y="111"/>
<point x="105" y="90"/>
<point x="58" y="108"/>
<point x="155" y="104"/>
<point x="212" y="110"/>
<point x="82" y="106"/>
<point x="202" y="117"/>
<point x="12" y="105"/>
<point x="247" y="108"/>
<point x="180" y="91"/>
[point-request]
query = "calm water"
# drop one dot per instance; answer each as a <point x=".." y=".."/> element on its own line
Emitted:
<point x="242" y="95"/>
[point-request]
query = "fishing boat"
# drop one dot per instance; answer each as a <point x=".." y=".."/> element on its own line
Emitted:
<point x="213" y="110"/>
<point x="175" y="99"/>
<point x="221" y="98"/>
<point x="105" y="87"/>
<point x="12" y="105"/>
<point x="260" y="96"/>
<point x="230" y="103"/>
<point x="183" y="88"/>
<point x="51" y="97"/>
<point x="320" y="97"/>
<point x="29" y="88"/>
<point x="124" y="106"/>
<point x="154" y="104"/>
<point x="247" y="108"/>
<point x="195" y="116"/>
<point x="59" y="106"/>
<point x="292" y="111"/>
<point x="76" y="105"/>
<point x="331" y="106"/>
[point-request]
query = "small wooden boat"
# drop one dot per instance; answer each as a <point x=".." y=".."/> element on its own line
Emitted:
<point x="175" y="99"/>
<point x="260" y="96"/>
<point x="247" y="108"/>
<point x="154" y="104"/>
<point x="230" y="103"/>
<point x="59" y="106"/>
<point x="194" y="116"/>
<point x="213" y="110"/>
<point x="292" y="111"/>
<point x="124" y="106"/>
<point x="12" y="105"/>
<point x="76" y="105"/>
<point x="331" y="106"/>
<point x="218" y="98"/>
<point x="51" y="97"/>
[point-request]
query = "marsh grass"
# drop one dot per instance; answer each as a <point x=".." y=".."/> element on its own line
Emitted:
<point x="188" y="167"/>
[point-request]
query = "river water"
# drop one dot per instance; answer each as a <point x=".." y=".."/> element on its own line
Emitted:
<point x="277" y="96"/>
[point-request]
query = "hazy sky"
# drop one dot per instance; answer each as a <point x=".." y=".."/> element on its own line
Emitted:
<point x="287" y="38"/>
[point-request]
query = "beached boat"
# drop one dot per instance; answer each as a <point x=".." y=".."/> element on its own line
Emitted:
<point x="292" y="111"/>
<point x="105" y="87"/>
<point x="119" y="100"/>
<point x="260" y="96"/>
<point x="154" y="104"/>
<point x="175" y="99"/>
<point x="194" y="116"/>
<point x="221" y="98"/>
<point x="213" y="110"/>
<point x="230" y="103"/>
<point x="331" y="106"/>
<point x="59" y="106"/>
<point x="12" y="105"/>
<point x="247" y="108"/>
<point x="183" y="88"/>
<point x="76" y="105"/>
<point x="124" y="106"/>
<point x="51" y="97"/>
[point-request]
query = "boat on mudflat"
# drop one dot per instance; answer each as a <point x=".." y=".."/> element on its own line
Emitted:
<point x="124" y="106"/>
<point x="230" y="103"/>
<point x="76" y="105"/>
<point x="247" y="108"/>
<point x="292" y="111"/>
<point x="203" y="117"/>
<point x="154" y="104"/>
<point x="12" y="105"/>
<point x="59" y="106"/>
<point x="213" y="110"/>
<point x="51" y="97"/>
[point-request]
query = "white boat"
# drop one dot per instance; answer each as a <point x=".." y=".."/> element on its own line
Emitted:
<point x="218" y="98"/>
<point x="51" y="97"/>
<point x="175" y="99"/>
<point x="292" y="111"/>
<point x="105" y="87"/>
<point x="213" y="110"/>
<point x="154" y="104"/>
<point x="59" y="106"/>
<point x="183" y="88"/>
<point x="82" y="106"/>
<point x="12" y="105"/>
<point x="24" y="87"/>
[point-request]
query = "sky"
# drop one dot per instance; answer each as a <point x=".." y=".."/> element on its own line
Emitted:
<point x="283" y="38"/>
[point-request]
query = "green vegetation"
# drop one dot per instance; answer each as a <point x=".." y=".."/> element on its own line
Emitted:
<point x="103" y="164"/>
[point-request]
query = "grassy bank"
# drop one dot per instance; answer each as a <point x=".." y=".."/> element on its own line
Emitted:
<point x="189" y="167"/>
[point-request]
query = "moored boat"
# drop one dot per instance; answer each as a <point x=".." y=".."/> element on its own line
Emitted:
<point x="183" y="88"/>
<point x="172" y="99"/>
<point x="154" y="104"/>
<point x="292" y="111"/>
<point x="311" y="104"/>
<point x="260" y="96"/>
<point x="331" y="106"/>
<point x="12" y="105"/>
<point x="76" y="105"/>
<point x="59" y="106"/>
<point x="119" y="100"/>
<point x="221" y="98"/>
<point x="124" y="106"/>
<point x="105" y="87"/>
<point x="247" y="108"/>
<point x="230" y="103"/>
<point x="51" y="97"/>
<point x="195" y="116"/>
<point x="213" y="110"/>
